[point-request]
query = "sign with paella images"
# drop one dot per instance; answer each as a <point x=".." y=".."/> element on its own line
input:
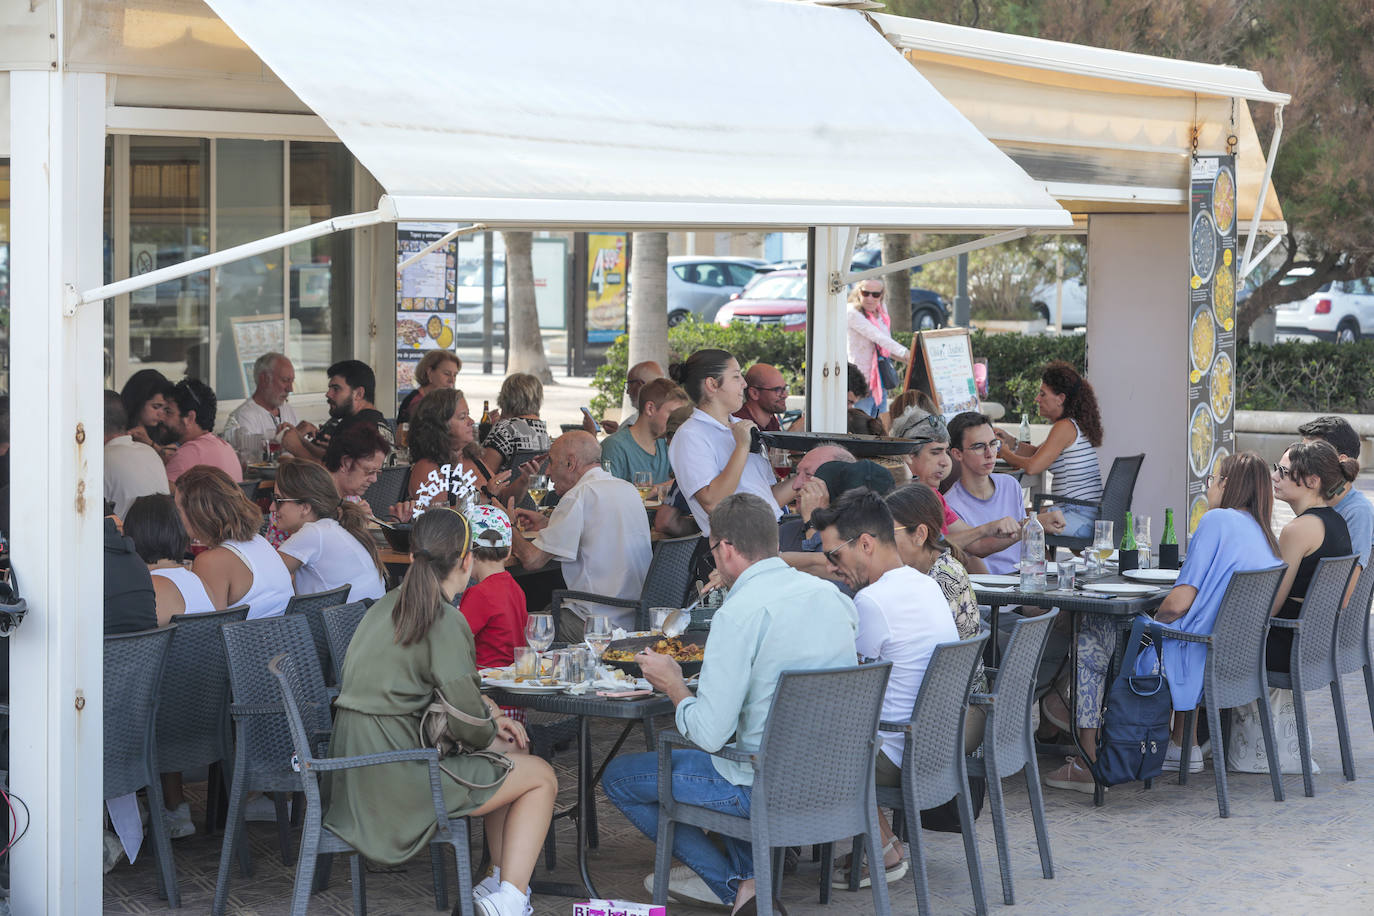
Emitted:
<point x="1211" y="325"/>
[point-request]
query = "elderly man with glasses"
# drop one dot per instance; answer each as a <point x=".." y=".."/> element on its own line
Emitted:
<point x="991" y="504"/>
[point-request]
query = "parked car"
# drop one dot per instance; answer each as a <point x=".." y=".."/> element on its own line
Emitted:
<point x="928" y="308"/>
<point x="468" y="325"/>
<point x="1340" y="311"/>
<point x="1075" y="302"/>
<point x="775" y="298"/>
<point x="700" y="285"/>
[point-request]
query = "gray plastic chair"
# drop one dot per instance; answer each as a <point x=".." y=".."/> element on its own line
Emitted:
<point x="340" y="623"/>
<point x="315" y="840"/>
<point x="1117" y="494"/>
<point x="1009" y="740"/>
<point x="665" y="584"/>
<point x="193" y="727"/>
<point x="934" y="768"/>
<point x="311" y="606"/>
<point x="1312" y="663"/>
<point x="389" y="488"/>
<point x="133" y="674"/>
<point x="1233" y="674"/>
<point x="1352" y="636"/>
<point x="805" y="790"/>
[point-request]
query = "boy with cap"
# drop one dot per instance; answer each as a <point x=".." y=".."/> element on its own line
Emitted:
<point x="493" y="605"/>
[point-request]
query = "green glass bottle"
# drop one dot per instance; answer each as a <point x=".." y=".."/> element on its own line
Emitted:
<point x="1168" y="544"/>
<point x="1126" y="557"/>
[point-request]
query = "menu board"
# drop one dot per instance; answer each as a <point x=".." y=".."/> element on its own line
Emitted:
<point x="255" y="335"/>
<point x="1211" y="324"/>
<point x="941" y="365"/>
<point x="426" y="298"/>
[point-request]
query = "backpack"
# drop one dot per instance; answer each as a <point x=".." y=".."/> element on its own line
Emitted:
<point x="1135" y="725"/>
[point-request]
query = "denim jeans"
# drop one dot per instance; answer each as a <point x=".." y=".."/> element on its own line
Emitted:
<point x="631" y="783"/>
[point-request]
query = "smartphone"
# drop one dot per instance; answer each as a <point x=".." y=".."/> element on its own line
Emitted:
<point x="588" y="414"/>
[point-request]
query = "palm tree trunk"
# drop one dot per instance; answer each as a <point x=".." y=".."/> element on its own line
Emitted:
<point x="897" y="247"/>
<point x="526" y="342"/>
<point x="649" y="299"/>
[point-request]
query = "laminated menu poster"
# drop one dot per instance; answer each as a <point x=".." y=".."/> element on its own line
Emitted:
<point x="1211" y="323"/>
<point x="426" y="298"/>
<point x="941" y="365"/>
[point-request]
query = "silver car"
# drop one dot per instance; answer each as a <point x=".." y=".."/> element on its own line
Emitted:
<point x="701" y="285"/>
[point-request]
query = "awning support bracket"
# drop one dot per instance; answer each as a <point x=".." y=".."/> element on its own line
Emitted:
<point x="1248" y="263"/>
<point x="986" y="241"/>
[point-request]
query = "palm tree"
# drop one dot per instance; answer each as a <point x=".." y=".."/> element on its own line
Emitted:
<point x="649" y="299"/>
<point x="526" y="342"/>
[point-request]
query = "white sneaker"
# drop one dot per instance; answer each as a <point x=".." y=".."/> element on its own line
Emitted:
<point x="260" y="808"/>
<point x="686" y="886"/>
<point x="112" y="852"/>
<point x="1173" y="756"/>
<point x="178" y="821"/>
<point x="507" y="900"/>
<point x="486" y="887"/>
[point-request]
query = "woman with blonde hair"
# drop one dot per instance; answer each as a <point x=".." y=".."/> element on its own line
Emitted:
<point x="239" y="566"/>
<point x="409" y="643"/>
<point x="436" y="369"/>
<point x="329" y="545"/>
<point x="870" y="337"/>
<point x="520" y="430"/>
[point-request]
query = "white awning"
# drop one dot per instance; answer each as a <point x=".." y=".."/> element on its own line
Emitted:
<point x="632" y="114"/>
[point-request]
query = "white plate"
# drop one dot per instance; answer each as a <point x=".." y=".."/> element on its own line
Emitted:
<point x="990" y="579"/>
<point x="1120" y="588"/>
<point x="1151" y="575"/>
<point x="525" y="687"/>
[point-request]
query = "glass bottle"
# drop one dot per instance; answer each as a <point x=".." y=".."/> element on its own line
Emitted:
<point x="1127" y="558"/>
<point x="484" y="426"/>
<point x="1168" y="543"/>
<point x="1024" y="435"/>
<point x="1033" y="556"/>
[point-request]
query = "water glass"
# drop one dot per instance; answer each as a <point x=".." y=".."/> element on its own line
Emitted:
<point x="659" y="614"/>
<point x="1142" y="541"/>
<point x="539" y="632"/>
<point x="598" y="633"/>
<point x="526" y="662"/>
<point x="574" y="665"/>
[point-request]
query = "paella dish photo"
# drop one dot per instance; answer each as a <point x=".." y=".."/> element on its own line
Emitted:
<point x="1195" y="512"/>
<point x="1202" y="341"/>
<point x="1204" y="246"/>
<point x="1201" y="439"/>
<point x="1224" y="200"/>
<point x="1224" y="296"/>
<point x="1221" y="387"/>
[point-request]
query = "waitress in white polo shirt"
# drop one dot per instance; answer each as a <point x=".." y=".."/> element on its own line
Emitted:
<point x="710" y="452"/>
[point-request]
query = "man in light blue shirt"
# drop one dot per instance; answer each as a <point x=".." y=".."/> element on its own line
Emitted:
<point x="775" y="619"/>
<point x="1353" y="506"/>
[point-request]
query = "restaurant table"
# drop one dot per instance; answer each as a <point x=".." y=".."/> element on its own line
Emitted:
<point x="585" y="708"/>
<point x="1121" y="608"/>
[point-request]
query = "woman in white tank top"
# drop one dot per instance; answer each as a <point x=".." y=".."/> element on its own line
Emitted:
<point x="161" y="541"/>
<point x="330" y="545"/>
<point x="238" y="566"/>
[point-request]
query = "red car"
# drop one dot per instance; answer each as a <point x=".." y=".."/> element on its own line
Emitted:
<point x="776" y="298"/>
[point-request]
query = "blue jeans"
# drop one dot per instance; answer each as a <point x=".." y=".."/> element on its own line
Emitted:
<point x="1078" y="520"/>
<point x="631" y="783"/>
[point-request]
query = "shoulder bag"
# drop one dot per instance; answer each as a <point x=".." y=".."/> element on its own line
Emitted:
<point x="434" y="732"/>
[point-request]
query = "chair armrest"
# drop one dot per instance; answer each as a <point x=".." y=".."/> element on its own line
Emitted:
<point x="668" y="738"/>
<point x="1181" y="636"/>
<point x="1284" y="622"/>
<point x="372" y="760"/>
<point x="1038" y="498"/>
<point x="989" y="670"/>
<point x="894" y="726"/>
<point x="981" y="699"/>
<point x="562" y="595"/>
<point x="333" y="693"/>
<point x="256" y="709"/>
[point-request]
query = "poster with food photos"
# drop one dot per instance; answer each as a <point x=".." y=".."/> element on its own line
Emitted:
<point x="426" y="298"/>
<point x="1211" y="324"/>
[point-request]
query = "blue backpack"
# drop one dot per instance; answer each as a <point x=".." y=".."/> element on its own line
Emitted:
<point x="1135" y="724"/>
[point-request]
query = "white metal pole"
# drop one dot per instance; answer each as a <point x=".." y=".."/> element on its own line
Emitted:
<point x="827" y="375"/>
<point x="57" y="174"/>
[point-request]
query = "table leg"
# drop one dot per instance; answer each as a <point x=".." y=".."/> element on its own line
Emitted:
<point x="584" y="789"/>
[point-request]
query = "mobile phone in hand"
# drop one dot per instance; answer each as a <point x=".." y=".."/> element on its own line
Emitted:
<point x="588" y="414"/>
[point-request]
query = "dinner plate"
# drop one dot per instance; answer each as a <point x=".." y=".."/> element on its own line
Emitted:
<point x="525" y="686"/>
<point x="990" y="579"/>
<point x="1151" y="575"/>
<point x="1120" y="588"/>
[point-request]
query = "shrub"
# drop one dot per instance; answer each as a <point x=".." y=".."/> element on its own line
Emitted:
<point x="749" y="343"/>
<point x="1324" y="377"/>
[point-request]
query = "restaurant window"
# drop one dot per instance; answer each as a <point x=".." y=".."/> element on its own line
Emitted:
<point x="320" y="329"/>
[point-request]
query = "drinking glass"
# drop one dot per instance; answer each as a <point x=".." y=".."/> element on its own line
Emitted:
<point x="598" y="633"/>
<point x="539" y="488"/>
<point x="1142" y="541"/>
<point x="539" y="632"/>
<point x="1101" y="550"/>
<point x="644" y="483"/>
<point x="657" y="615"/>
<point x="526" y="663"/>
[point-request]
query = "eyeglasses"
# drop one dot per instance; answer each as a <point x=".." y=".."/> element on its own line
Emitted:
<point x="278" y="500"/>
<point x="776" y="389"/>
<point x="1283" y="472"/>
<point x="717" y="544"/>
<point x="833" y="552"/>
<point x="983" y="448"/>
<point x="1215" y="478"/>
<point x="874" y="293"/>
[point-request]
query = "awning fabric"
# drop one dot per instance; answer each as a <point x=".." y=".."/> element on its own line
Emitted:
<point x="1104" y="131"/>
<point x="668" y="114"/>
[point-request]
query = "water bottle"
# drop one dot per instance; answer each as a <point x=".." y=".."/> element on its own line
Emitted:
<point x="1024" y="435"/>
<point x="1033" y="556"/>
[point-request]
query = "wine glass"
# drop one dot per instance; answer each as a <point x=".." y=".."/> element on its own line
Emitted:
<point x="1103" y="545"/>
<point x="539" y="632"/>
<point x="539" y="488"/>
<point x="644" y="483"/>
<point x="598" y="633"/>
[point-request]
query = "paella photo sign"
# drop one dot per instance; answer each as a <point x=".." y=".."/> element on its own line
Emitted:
<point x="1211" y="323"/>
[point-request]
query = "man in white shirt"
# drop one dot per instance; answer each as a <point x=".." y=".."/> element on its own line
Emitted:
<point x="599" y="530"/>
<point x="903" y="616"/>
<point x="132" y="469"/>
<point x="266" y="414"/>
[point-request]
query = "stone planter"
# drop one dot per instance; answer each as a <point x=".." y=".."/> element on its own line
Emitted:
<point x="1036" y="326"/>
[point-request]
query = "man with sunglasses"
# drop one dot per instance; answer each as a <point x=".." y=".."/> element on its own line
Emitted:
<point x="765" y="397"/>
<point x="190" y="417"/>
<point x="991" y="504"/>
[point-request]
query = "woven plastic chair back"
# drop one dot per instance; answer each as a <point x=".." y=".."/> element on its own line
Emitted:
<point x="1119" y="490"/>
<point x="311" y="607"/>
<point x="250" y="645"/>
<point x="250" y="489"/>
<point x="1320" y="609"/>
<point x="935" y="761"/>
<point x="1235" y="662"/>
<point x="818" y="751"/>
<point x="1014" y="691"/>
<point x="287" y="673"/>
<point x="340" y="623"/>
<point x="1352" y="627"/>
<point x="388" y="489"/>
<point x="670" y="573"/>
<point x="193" y="710"/>
<point x="133" y="673"/>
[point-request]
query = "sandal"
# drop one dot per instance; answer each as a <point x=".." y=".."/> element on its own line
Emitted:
<point x="893" y="872"/>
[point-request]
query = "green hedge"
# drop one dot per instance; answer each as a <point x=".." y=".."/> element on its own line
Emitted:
<point x="1306" y="376"/>
<point x="1015" y="362"/>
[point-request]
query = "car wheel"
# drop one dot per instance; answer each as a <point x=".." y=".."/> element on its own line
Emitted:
<point x="1043" y="311"/>
<point x="924" y="318"/>
<point x="676" y="318"/>
<point x="1348" y="332"/>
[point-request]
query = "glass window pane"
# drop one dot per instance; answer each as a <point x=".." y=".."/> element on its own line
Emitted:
<point x="169" y="207"/>
<point x="321" y="294"/>
<point x="249" y="314"/>
<point x="740" y="274"/>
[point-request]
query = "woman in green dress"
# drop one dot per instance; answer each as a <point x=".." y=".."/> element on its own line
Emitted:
<point x="410" y="642"/>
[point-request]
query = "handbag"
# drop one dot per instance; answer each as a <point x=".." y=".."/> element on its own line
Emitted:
<point x="1135" y="725"/>
<point x="887" y="373"/>
<point x="434" y="732"/>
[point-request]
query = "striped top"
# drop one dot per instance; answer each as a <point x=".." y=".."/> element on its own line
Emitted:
<point x="1075" y="471"/>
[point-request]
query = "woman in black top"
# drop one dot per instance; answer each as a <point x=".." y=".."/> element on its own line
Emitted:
<point x="1308" y="477"/>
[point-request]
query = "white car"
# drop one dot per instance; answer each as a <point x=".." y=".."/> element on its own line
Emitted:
<point x="1340" y="311"/>
<point x="1075" y="294"/>
<point x="699" y="285"/>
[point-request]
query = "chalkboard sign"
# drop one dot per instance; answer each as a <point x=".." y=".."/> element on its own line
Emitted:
<point x="941" y="365"/>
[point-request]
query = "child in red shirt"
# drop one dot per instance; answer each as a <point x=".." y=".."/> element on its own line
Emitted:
<point x="494" y="605"/>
